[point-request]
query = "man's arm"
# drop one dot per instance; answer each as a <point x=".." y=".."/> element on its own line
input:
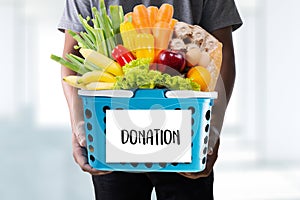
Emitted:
<point x="76" y="113"/>
<point x="224" y="88"/>
<point x="74" y="103"/>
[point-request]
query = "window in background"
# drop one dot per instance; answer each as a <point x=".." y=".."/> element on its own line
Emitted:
<point x="240" y="116"/>
<point x="50" y="108"/>
<point x="7" y="66"/>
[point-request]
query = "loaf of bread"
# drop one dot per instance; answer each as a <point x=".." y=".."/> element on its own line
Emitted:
<point x="193" y="38"/>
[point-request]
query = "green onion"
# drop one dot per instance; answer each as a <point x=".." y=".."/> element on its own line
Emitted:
<point x="76" y="68"/>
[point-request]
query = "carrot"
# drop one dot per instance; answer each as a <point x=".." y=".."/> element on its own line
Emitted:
<point x="173" y="23"/>
<point x="165" y="13"/>
<point x="152" y="14"/>
<point x="140" y="19"/>
<point x="128" y="17"/>
<point x="162" y="33"/>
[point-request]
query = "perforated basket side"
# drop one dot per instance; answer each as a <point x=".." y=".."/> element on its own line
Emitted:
<point x="95" y="119"/>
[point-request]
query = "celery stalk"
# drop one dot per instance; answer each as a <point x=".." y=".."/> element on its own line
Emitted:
<point x="80" y="69"/>
<point x="100" y="41"/>
<point x="87" y="40"/>
<point x="103" y="20"/>
<point x="116" y="18"/>
<point x="73" y="60"/>
<point x="102" y="7"/>
<point x="121" y="13"/>
<point x="81" y="42"/>
<point x="109" y="22"/>
<point x="88" y="28"/>
<point x="79" y="59"/>
<point x="96" y="23"/>
<point x="110" y="43"/>
<point x="76" y="61"/>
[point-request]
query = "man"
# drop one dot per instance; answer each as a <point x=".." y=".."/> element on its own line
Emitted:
<point x="220" y="18"/>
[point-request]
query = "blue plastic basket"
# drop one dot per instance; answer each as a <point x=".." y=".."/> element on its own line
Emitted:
<point x="96" y="103"/>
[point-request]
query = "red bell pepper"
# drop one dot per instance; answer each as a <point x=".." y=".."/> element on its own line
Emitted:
<point x="122" y="55"/>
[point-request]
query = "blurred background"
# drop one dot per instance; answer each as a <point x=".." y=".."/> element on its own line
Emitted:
<point x="259" y="157"/>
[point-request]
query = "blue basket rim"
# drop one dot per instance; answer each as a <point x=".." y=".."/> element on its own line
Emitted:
<point x="190" y="94"/>
<point x="130" y="93"/>
<point x="107" y="93"/>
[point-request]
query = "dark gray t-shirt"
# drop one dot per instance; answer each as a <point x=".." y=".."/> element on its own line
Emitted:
<point x="209" y="14"/>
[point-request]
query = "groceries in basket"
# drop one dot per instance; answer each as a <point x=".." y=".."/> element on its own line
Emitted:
<point x="146" y="48"/>
<point x="164" y="124"/>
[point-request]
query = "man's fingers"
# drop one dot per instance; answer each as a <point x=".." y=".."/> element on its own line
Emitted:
<point x="80" y="134"/>
<point x="87" y="168"/>
<point x="81" y="140"/>
<point x="196" y="175"/>
<point x="210" y="151"/>
<point x="211" y="159"/>
<point x="80" y="157"/>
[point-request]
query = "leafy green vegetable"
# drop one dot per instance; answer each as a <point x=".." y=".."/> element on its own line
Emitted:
<point x="142" y="62"/>
<point x="138" y="75"/>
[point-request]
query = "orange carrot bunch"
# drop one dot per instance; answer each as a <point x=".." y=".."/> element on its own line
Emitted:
<point x="152" y="14"/>
<point x="165" y="13"/>
<point x="156" y="21"/>
<point x="140" y="19"/>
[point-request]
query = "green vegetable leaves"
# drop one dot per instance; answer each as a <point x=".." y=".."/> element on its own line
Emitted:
<point x="138" y="75"/>
<point x="105" y="32"/>
<point x="141" y="63"/>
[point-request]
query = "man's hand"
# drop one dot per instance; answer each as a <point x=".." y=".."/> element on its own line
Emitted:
<point x="80" y="152"/>
<point x="211" y="159"/>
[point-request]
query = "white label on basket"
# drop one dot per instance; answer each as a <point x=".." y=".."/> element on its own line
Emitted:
<point x="148" y="136"/>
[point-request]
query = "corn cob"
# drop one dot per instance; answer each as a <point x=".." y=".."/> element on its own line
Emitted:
<point x="99" y="86"/>
<point x="101" y="61"/>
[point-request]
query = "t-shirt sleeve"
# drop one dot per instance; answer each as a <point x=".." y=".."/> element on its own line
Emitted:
<point x="70" y="19"/>
<point x="218" y="14"/>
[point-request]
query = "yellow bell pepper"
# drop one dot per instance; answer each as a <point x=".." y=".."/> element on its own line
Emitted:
<point x="128" y="34"/>
<point x="144" y="43"/>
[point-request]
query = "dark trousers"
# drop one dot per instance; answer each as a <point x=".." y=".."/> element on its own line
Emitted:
<point x="138" y="186"/>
